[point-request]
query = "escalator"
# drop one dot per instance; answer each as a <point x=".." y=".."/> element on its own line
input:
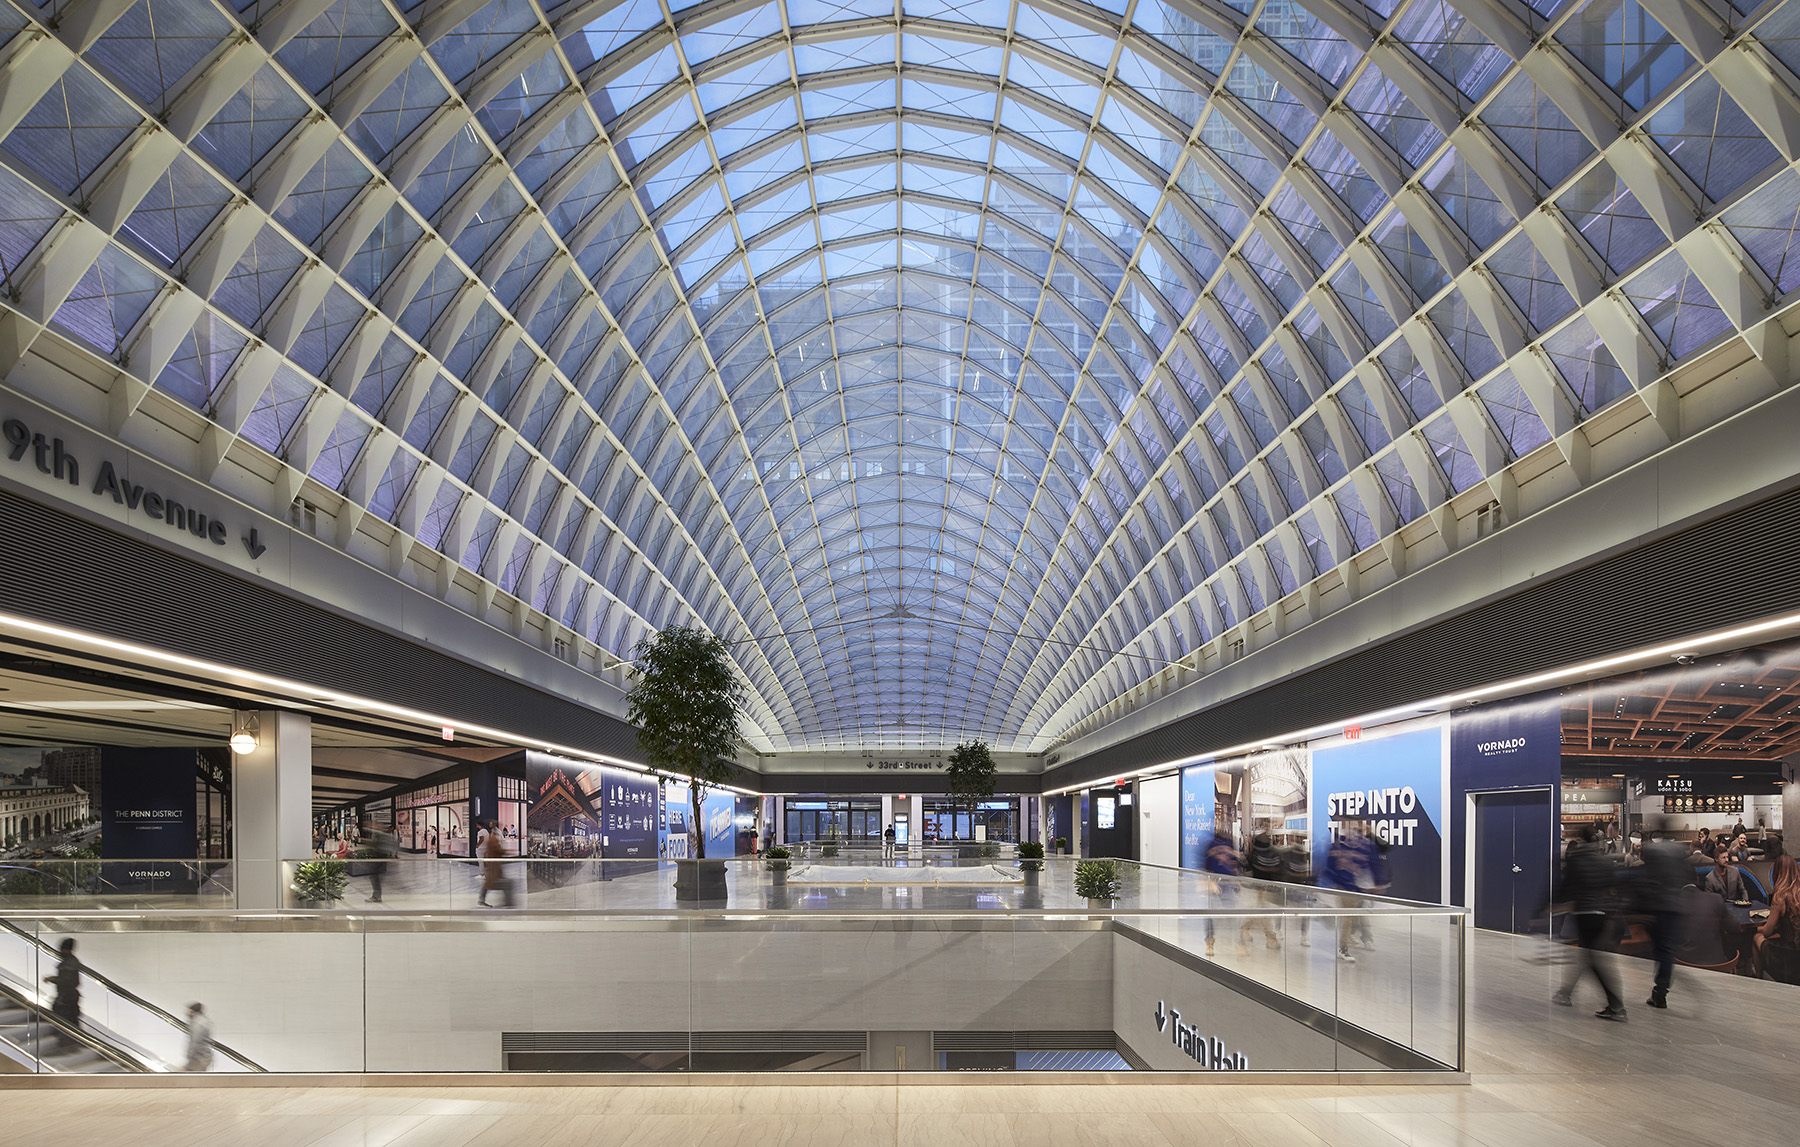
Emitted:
<point x="119" y="1030"/>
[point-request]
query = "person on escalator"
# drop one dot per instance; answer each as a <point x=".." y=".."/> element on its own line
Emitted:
<point x="200" y="1037"/>
<point x="66" y="1005"/>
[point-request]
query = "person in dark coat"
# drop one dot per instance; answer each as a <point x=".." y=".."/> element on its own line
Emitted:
<point x="1660" y="881"/>
<point x="1587" y="887"/>
<point x="66" y="1004"/>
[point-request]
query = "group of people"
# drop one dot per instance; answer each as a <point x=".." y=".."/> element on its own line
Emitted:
<point x="1686" y="914"/>
<point x="1356" y="861"/>
<point x="65" y="1005"/>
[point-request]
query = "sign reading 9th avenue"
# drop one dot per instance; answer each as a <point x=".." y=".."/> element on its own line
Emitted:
<point x="51" y="457"/>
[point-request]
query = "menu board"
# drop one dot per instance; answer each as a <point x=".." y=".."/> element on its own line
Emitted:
<point x="1703" y="804"/>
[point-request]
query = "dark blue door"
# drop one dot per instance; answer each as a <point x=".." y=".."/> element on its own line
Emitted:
<point x="1512" y="858"/>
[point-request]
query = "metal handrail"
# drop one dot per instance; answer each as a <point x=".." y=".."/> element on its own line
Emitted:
<point x="125" y="993"/>
<point x="66" y="1030"/>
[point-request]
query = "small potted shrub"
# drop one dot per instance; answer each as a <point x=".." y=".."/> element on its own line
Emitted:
<point x="990" y="850"/>
<point x="1031" y="860"/>
<point x="319" y="883"/>
<point x="1062" y="845"/>
<point x="829" y="849"/>
<point x="778" y="858"/>
<point x="1097" y="881"/>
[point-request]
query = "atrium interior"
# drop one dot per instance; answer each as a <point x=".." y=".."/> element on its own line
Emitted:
<point x="1275" y="426"/>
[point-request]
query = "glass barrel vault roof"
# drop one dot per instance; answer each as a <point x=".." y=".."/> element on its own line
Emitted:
<point x="964" y="364"/>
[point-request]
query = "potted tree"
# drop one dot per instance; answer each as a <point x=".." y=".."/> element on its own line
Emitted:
<point x="1031" y="861"/>
<point x="1062" y="845"/>
<point x="1097" y="881"/>
<point x="778" y="858"/>
<point x="970" y="772"/>
<point x="320" y="883"/>
<point x="684" y="702"/>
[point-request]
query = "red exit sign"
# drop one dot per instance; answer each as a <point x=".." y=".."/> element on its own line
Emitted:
<point x="1352" y="732"/>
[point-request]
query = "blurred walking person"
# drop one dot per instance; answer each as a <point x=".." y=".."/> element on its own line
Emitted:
<point x="1587" y="886"/>
<point x="493" y="875"/>
<point x="66" y="1004"/>
<point x="1344" y="872"/>
<point x="200" y="1039"/>
<point x="1221" y="860"/>
<point x="1264" y="863"/>
<point x="1660" y="882"/>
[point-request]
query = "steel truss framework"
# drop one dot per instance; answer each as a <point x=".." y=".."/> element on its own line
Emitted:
<point x="965" y="364"/>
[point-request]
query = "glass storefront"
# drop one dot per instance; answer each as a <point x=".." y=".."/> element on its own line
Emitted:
<point x="857" y="821"/>
<point x="945" y="820"/>
<point x="435" y="820"/>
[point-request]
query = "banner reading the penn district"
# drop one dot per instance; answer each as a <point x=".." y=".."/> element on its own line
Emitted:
<point x="1395" y="787"/>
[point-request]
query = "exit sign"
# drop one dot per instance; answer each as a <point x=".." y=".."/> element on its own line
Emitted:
<point x="1352" y="732"/>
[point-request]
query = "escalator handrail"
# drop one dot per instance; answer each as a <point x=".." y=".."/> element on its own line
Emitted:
<point x="128" y="995"/>
<point x="43" y="1015"/>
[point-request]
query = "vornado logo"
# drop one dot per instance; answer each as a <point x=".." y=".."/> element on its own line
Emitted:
<point x="1511" y="744"/>
<point x="149" y="873"/>
<point x="1209" y="1053"/>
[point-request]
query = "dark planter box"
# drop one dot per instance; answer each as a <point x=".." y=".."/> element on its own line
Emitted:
<point x="700" y="880"/>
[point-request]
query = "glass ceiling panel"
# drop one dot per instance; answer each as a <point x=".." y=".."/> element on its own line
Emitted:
<point x="990" y="427"/>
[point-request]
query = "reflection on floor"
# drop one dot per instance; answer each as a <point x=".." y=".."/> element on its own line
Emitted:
<point x="1543" y="1075"/>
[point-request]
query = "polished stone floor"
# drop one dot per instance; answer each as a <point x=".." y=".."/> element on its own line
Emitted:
<point x="1717" y="1066"/>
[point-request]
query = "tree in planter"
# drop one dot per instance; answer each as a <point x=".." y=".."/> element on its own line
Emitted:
<point x="684" y="702"/>
<point x="1097" y="880"/>
<point x="971" y="773"/>
<point x="321" y="881"/>
<point x="1031" y="856"/>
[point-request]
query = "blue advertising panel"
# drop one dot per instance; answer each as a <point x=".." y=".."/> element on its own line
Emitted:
<point x="628" y="815"/>
<point x="718" y="812"/>
<point x="147" y="812"/>
<point x="1394" y="786"/>
<point x="1199" y="799"/>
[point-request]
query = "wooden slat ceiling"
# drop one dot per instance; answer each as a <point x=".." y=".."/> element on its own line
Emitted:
<point x="1742" y="706"/>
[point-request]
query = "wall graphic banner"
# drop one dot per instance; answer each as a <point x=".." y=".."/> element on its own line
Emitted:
<point x="1199" y="800"/>
<point x="718" y="812"/>
<point x="1395" y="786"/>
<point x="564" y="817"/>
<point x="147" y="813"/>
<point x="628" y="815"/>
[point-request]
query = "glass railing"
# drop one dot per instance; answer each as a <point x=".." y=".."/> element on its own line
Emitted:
<point x="807" y="969"/>
<point x="843" y="882"/>
<point x="55" y="884"/>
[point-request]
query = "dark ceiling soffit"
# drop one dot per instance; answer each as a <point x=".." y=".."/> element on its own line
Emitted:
<point x="1739" y="567"/>
<point x="84" y="576"/>
<point x="872" y="783"/>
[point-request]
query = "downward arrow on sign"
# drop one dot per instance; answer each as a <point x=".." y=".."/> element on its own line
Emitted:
<point x="254" y="546"/>
<point x="1162" y="1017"/>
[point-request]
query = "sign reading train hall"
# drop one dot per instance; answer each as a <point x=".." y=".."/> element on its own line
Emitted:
<point x="51" y="457"/>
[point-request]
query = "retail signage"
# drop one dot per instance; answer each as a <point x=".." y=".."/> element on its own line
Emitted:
<point x="51" y="457"/>
<point x="628" y="815"/>
<point x="147" y="813"/>
<point x="1685" y="786"/>
<point x="1207" y="1051"/>
<point x="1593" y="796"/>
<point x="1199" y="803"/>
<point x="1393" y="787"/>
<point x="893" y="765"/>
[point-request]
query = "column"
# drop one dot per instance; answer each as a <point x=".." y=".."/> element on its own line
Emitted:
<point x="271" y="815"/>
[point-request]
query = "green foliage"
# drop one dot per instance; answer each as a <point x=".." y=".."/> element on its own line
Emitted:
<point x="684" y="702"/>
<point x="778" y="857"/>
<point x="321" y="880"/>
<point x="1031" y="856"/>
<point x="11" y="841"/>
<point x="25" y="884"/>
<point x="990" y="850"/>
<point x="829" y="848"/>
<point x="1062" y="842"/>
<point x="971" y="773"/>
<point x="1097" y="880"/>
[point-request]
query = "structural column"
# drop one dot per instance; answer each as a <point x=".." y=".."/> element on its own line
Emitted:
<point x="271" y="816"/>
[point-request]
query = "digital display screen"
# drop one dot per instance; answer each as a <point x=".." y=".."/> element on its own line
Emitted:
<point x="1103" y="812"/>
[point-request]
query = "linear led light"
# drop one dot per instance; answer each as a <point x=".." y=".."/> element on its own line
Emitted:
<point x="1586" y="669"/>
<point x="147" y="655"/>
